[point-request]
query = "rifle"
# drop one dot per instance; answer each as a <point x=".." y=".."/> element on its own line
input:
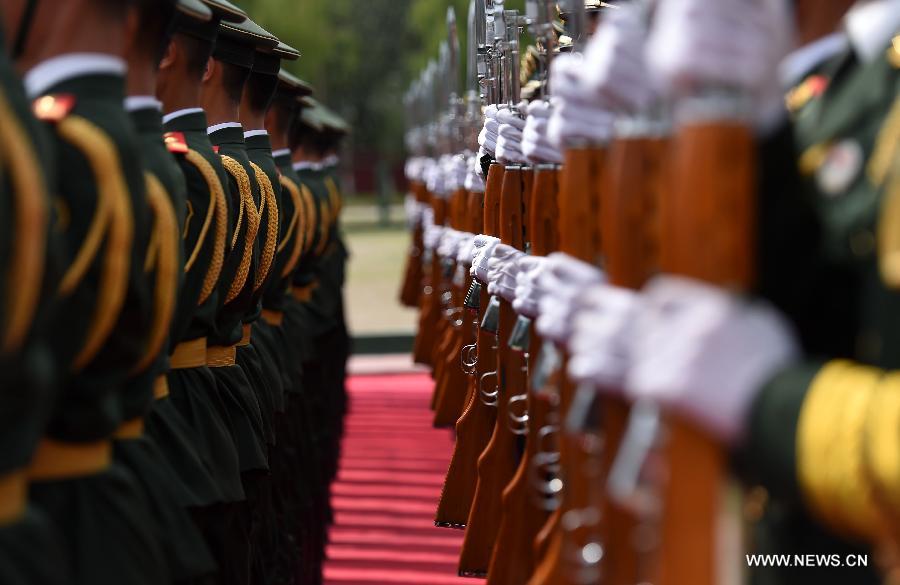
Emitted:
<point x="475" y="425"/>
<point x="526" y="504"/>
<point x="708" y="223"/>
<point x="428" y="301"/>
<point x="500" y="459"/>
<point x="411" y="287"/>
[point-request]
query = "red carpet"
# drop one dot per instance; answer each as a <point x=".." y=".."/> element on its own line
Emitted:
<point x="390" y="477"/>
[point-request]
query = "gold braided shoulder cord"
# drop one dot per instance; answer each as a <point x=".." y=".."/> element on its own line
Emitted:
<point x="248" y="206"/>
<point x="218" y="209"/>
<point x="162" y="256"/>
<point x="296" y="229"/>
<point x="334" y="197"/>
<point x="309" y="207"/>
<point x="882" y="444"/>
<point x="269" y="202"/>
<point x="113" y="217"/>
<point x="26" y="270"/>
<point x="325" y="226"/>
<point x="830" y="449"/>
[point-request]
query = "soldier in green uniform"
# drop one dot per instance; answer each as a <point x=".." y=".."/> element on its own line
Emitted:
<point x="32" y="551"/>
<point x="208" y="261"/>
<point x="153" y="457"/>
<point x="314" y="284"/>
<point x="804" y="384"/>
<point x="301" y="486"/>
<point x="263" y="357"/>
<point x="221" y="94"/>
<point x="71" y="56"/>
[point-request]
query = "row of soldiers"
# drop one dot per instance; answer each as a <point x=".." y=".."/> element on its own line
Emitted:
<point x="661" y="299"/>
<point x="173" y="342"/>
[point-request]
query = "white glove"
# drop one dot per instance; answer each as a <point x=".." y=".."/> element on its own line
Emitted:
<point x="474" y="181"/>
<point x="413" y="210"/>
<point x="487" y="139"/>
<point x="483" y="247"/>
<point x="731" y="43"/>
<point x="578" y="115"/>
<point x="563" y="279"/>
<point x="528" y="291"/>
<point x="455" y="170"/>
<point x="536" y="147"/>
<point x="706" y="353"/>
<point x="432" y="237"/>
<point x="615" y="69"/>
<point x="465" y="249"/>
<point x="449" y="242"/>
<point x="502" y="270"/>
<point x="509" y="141"/>
<point x="601" y="334"/>
<point x="414" y="167"/>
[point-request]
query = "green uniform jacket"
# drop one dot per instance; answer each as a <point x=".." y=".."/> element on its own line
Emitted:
<point x="819" y="264"/>
<point x="90" y="402"/>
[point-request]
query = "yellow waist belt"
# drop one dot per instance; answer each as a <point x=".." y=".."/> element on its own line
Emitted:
<point x="273" y="318"/>
<point x="304" y="293"/>
<point x="245" y="339"/>
<point x="13" y="497"/>
<point x="161" y="384"/>
<point x="219" y="356"/>
<point x="189" y="354"/>
<point x="54" y="460"/>
<point x="132" y="429"/>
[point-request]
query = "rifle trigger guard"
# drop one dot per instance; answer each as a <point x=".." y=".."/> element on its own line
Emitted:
<point x="488" y="398"/>
<point x="468" y="358"/>
<point x="518" y="424"/>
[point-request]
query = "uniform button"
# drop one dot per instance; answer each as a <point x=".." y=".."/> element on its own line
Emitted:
<point x="862" y="243"/>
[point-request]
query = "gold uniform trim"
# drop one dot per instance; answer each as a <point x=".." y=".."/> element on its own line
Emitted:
<point x="13" y="497"/>
<point x="309" y="205"/>
<point x="219" y="356"/>
<point x="112" y="219"/>
<point x="162" y="256"/>
<point x="130" y="430"/>
<point x="334" y="197"/>
<point x="304" y="293"/>
<point x="268" y="202"/>
<point x="830" y="463"/>
<point x="273" y="318"/>
<point x="54" y="460"/>
<point x="882" y="443"/>
<point x="248" y="207"/>
<point x="26" y="270"/>
<point x="189" y="354"/>
<point x="297" y="229"/>
<point x="161" y="387"/>
<point x="218" y="209"/>
<point x="246" y="335"/>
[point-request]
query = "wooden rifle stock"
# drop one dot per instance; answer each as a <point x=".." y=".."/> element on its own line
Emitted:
<point x="452" y="394"/>
<point x="708" y="222"/>
<point x="411" y="288"/>
<point x="499" y="461"/>
<point x="629" y="220"/>
<point x="514" y="556"/>
<point x="429" y="311"/>
<point x="475" y="426"/>
<point x="580" y="184"/>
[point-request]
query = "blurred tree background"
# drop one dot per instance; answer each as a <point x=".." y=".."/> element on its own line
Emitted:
<point x="361" y="57"/>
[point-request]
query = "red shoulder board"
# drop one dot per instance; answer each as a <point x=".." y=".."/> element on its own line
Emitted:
<point x="216" y="149"/>
<point x="176" y="142"/>
<point x="53" y="108"/>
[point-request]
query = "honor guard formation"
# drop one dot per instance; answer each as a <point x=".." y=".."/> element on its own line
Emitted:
<point x="656" y="258"/>
<point x="171" y="326"/>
